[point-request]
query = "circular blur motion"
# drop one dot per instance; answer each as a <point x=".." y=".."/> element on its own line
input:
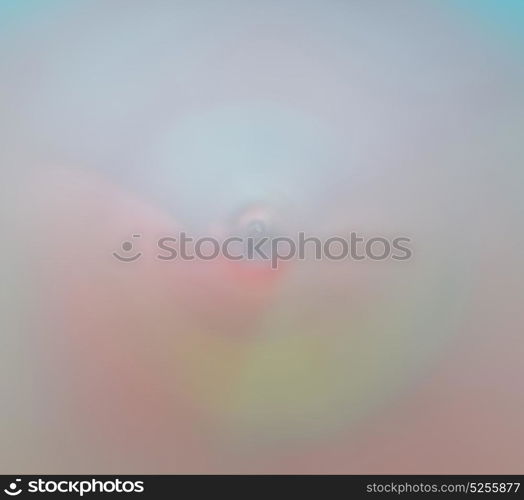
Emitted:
<point x="123" y="124"/>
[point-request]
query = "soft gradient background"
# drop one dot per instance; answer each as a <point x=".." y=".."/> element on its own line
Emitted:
<point x="382" y="117"/>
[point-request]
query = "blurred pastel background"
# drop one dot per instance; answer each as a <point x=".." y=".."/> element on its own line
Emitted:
<point x="383" y="117"/>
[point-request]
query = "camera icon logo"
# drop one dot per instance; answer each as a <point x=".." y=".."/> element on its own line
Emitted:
<point x="127" y="248"/>
<point x="13" y="489"/>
